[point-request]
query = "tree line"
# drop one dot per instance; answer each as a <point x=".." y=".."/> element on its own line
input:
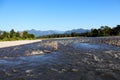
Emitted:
<point x="12" y="35"/>
<point x="102" y="31"/>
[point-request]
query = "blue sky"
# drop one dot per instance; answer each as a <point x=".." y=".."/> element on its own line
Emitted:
<point x="58" y="14"/>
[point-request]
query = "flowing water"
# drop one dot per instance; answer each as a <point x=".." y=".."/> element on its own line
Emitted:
<point x="68" y="63"/>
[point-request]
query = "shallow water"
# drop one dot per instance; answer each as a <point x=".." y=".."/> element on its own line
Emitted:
<point x="31" y="60"/>
<point x="87" y="46"/>
<point x="55" y="65"/>
<point x="12" y="61"/>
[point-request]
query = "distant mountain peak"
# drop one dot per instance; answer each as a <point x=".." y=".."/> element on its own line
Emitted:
<point x="77" y="30"/>
<point x="38" y="33"/>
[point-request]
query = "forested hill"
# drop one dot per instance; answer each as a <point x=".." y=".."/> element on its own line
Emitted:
<point x="102" y="31"/>
<point x="12" y="35"/>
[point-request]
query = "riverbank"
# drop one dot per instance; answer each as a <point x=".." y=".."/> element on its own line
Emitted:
<point x="4" y="44"/>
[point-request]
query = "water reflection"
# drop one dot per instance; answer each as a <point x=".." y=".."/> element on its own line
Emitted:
<point x="12" y="61"/>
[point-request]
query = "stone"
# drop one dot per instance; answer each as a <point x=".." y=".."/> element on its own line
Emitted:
<point x="46" y="51"/>
<point x="36" y="52"/>
<point x="29" y="71"/>
<point x="115" y="55"/>
<point x="96" y="58"/>
<point x="14" y="70"/>
<point x="53" y="69"/>
<point x="75" y="70"/>
<point x="55" y="46"/>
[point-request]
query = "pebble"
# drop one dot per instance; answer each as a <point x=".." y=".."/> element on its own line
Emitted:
<point x="47" y="51"/>
<point x="29" y="71"/>
<point x="14" y="70"/>
<point x="75" y="70"/>
<point x="116" y="56"/>
<point x="96" y="58"/>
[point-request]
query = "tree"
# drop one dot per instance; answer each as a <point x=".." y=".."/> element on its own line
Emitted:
<point x="31" y="36"/>
<point x="25" y="34"/>
<point x="107" y="31"/>
<point x="5" y="36"/>
<point x="116" y="30"/>
<point x="12" y="33"/>
<point x="94" y="32"/>
<point x="17" y="34"/>
<point x="73" y="34"/>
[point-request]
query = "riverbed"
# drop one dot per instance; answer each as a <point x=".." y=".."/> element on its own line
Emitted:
<point x="75" y="59"/>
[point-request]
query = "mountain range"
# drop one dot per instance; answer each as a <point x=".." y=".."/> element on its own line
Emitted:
<point x="38" y="33"/>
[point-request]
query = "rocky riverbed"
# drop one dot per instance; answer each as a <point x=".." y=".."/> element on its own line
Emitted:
<point x="62" y="59"/>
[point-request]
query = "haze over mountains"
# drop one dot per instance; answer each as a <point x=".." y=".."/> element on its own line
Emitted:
<point x="38" y="33"/>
